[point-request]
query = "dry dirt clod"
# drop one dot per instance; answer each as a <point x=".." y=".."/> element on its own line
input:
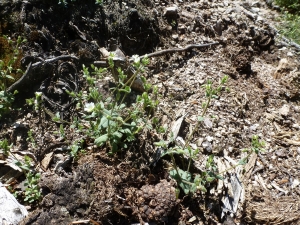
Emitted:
<point x="152" y="202"/>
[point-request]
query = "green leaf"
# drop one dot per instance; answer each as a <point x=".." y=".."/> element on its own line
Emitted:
<point x="101" y="140"/>
<point x="210" y="179"/>
<point x="210" y="161"/>
<point x="9" y="77"/>
<point x="219" y="177"/>
<point x="200" y="118"/>
<point x="180" y="178"/>
<point x="243" y="161"/>
<point x="117" y="134"/>
<point x="202" y="188"/>
<point x="126" y="131"/>
<point x="126" y="90"/>
<point x="103" y="122"/>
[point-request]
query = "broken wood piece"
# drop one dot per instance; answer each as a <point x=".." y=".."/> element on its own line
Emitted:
<point x="249" y="168"/>
<point x="278" y="188"/>
<point x="174" y="50"/>
<point x="85" y="222"/>
<point x="46" y="161"/>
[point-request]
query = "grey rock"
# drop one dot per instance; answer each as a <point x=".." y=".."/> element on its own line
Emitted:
<point x="207" y="146"/>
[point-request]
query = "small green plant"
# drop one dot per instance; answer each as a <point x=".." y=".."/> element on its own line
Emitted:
<point x="61" y="131"/>
<point x="290" y="26"/>
<point x="75" y="149"/>
<point x="32" y="190"/>
<point x="30" y="138"/>
<point x="5" y="147"/>
<point x="110" y="121"/>
<point x="290" y="19"/>
<point x="36" y="102"/>
<point x="256" y="147"/>
<point x="292" y="6"/>
<point x="188" y="182"/>
<point x="6" y="71"/>
<point x="173" y="23"/>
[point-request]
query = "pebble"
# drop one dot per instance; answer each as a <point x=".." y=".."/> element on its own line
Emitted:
<point x="199" y="142"/>
<point x="254" y="127"/>
<point x="284" y="110"/>
<point x="209" y="138"/>
<point x="175" y="37"/>
<point x="207" y="146"/>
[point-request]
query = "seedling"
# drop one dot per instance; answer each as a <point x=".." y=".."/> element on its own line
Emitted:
<point x="30" y="138"/>
<point x="32" y="191"/>
<point x="188" y="182"/>
<point x="5" y="147"/>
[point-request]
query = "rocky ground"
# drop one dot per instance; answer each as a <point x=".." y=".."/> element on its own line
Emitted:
<point x="262" y="98"/>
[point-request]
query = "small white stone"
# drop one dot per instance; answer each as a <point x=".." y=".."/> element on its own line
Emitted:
<point x="284" y="110"/>
<point x="254" y="127"/>
<point x="209" y="138"/>
<point x="295" y="183"/>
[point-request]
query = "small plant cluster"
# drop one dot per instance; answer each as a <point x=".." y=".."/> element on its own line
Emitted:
<point x="290" y="26"/>
<point x="35" y="102"/>
<point x="292" y="6"/>
<point x="6" y="71"/>
<point x="108" y="121"/>
<point x="187" y="181"/>
<point x="290" y="19"/>
<point x="32" y="191"/>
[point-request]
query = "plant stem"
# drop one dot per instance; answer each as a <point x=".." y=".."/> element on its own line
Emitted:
<point x="175" y="166"/>
<point x="198" y="123"/>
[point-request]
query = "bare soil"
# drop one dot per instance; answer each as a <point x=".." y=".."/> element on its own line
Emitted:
<point x="263" y="99"/>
